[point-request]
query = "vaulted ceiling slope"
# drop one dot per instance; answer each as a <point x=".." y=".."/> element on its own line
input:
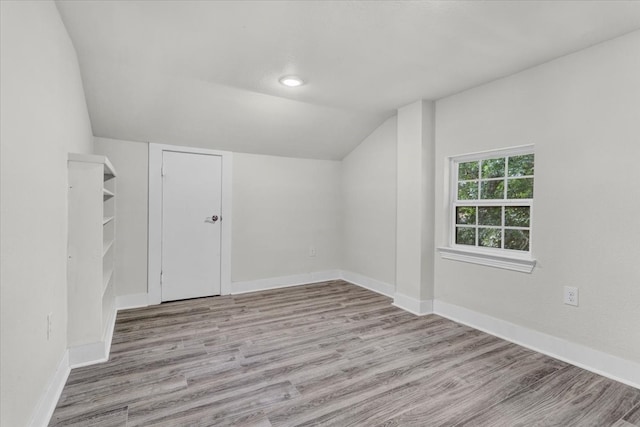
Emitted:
<point x="205" y="73"/>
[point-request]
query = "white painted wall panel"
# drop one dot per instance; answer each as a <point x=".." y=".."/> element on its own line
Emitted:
<point x="582" y="112"/>
<point x="44" y="116"/>
<point x="369" y="205"/>
<point x="282" y="207"/>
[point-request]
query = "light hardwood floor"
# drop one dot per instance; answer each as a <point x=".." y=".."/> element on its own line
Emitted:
<point x="327" y="354"/>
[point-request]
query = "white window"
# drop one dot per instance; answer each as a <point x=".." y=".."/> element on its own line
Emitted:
<point x="491" y="208"/>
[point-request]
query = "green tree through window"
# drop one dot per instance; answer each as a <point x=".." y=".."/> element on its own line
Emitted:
<point x="493" y="201"/>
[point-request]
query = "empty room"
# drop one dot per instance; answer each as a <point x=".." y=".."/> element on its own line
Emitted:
<point x="320" y="213"/>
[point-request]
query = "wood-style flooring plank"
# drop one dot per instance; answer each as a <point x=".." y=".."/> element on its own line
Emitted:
<point x="330" y="354"/>
<point x="623" y="423"/>
<point x="104" y="416"/>
<point x="568" y="397"/>
<point x="633" y="416"/>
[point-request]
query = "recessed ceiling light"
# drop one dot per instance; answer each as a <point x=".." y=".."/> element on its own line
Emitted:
<point x="291" y="81"/>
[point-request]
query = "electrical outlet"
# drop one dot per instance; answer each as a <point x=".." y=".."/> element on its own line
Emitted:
<point x="571" y="295"/>
<point x="312" y="251"/>
<point x="49" y="325"/>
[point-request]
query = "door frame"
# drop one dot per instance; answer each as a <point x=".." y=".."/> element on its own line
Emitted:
<point x="154" y="287"/>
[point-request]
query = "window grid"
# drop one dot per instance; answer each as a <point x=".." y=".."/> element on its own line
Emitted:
<point x="478" y="203"/>
<point x="503" y="228"/>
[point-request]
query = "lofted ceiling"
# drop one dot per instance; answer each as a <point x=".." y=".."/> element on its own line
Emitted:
<point x="205" y="73"/>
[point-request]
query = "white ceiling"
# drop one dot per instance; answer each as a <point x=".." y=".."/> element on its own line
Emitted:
<point x="205" y="73"/>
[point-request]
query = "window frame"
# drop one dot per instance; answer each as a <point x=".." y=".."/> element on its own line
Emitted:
<point x="509" y="259"/>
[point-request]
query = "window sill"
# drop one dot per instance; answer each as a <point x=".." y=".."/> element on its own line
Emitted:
<point x="491" y="260"/>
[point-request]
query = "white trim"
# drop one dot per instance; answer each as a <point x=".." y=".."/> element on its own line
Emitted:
<point x="155" y="217"/>
<point x="95" y="352"/>
<point x="49" y="399"/>
<point x="285" y="281"/>
<point x="501" y="152"/>
<point x="412" y="305"/>
<point x="499" y="258"/>
<point x="124" y="302"/>
<point x="374" y="285"/>
<point x="491" y="260"/>
<point x="87" y="354"/>
<point x="616" y="368"/>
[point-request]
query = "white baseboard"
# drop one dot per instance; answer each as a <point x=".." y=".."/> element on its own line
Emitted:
<point x="87" y="354"/>
<point x="284" y="281"/>
<point x="125" y="302"/>
<point x="412" y="305"/>
<point x="374" y="285"/>
<point x="95" y="352"/>
<point x="616" y="368"/>
<point x="49" y="398"/>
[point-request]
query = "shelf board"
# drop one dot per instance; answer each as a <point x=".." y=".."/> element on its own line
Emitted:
<point x="106" y="247"/>
<point x="106" y="194"/>
<point x="109" y="171"/>
<point x="107" y="220"/>
<point x="106" y="278"/>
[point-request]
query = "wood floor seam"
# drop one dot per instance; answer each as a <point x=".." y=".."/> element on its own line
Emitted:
<point x="633" y="416"/>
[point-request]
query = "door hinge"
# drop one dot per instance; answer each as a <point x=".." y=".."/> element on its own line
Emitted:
<point x="161" y="277"/>
<point x="162" y="170"/>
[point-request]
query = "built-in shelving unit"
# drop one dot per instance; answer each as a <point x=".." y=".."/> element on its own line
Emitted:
<point x="91" y="294"/>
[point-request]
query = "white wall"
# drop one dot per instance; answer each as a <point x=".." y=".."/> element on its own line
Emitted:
<point x="281" y="207"/>
<point x="44" y="116"/>
<point x="131" y="161"/>
<point x="369" y="206"/>
<point x="414" y="240"/>
<point x="582" y="112"/>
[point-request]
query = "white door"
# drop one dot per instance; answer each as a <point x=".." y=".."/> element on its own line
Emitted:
<point x="191" y="206"/>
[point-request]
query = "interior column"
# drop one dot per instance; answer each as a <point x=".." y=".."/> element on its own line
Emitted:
<point x="415" y="207"/>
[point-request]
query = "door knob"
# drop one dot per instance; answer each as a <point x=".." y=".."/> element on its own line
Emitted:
<point x="214" y="218"/>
